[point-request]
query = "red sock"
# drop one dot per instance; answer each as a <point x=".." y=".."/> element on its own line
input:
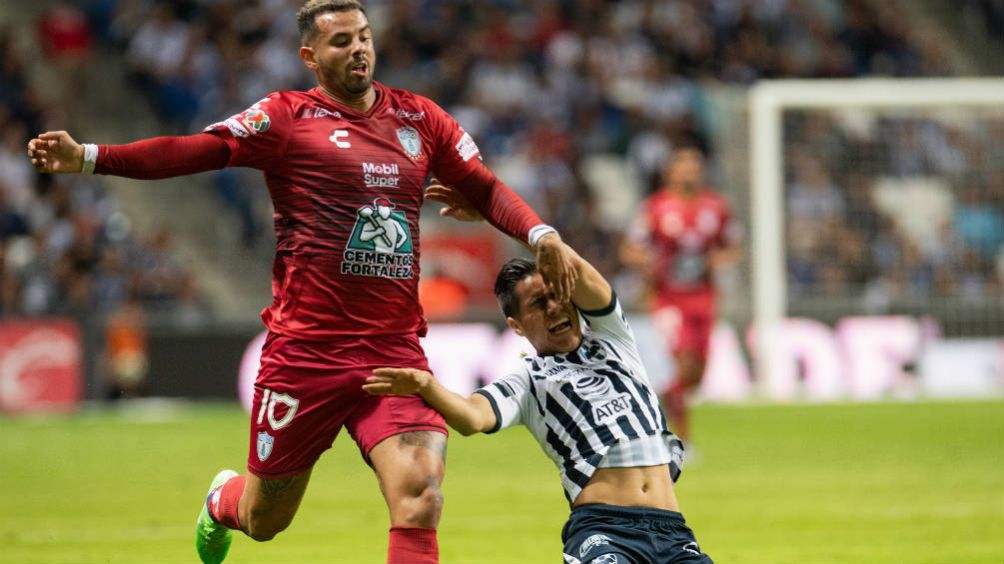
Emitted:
<point x="676" y="406"/>
<point x="223" y="502"/>
<point x="412" y="545"/>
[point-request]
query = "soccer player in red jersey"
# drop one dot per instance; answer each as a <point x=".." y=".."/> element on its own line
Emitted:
<point x="684" y="233"/>
<point x="345" y="164"/>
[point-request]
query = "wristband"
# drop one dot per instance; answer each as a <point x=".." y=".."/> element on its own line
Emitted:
<point x="90" y="158"/>
<point x="539" y="231"/>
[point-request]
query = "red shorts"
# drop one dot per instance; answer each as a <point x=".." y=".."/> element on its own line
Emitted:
<point x="307" y="390"/>
<point x="687" y="320"/>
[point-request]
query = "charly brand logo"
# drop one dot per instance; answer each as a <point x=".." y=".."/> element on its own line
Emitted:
<point x="338" y="137"/>
<point x="380" y="244"/>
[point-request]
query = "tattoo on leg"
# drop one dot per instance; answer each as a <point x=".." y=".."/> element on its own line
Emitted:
<point x="427" y="439"/>
<point x="275" y="486"/>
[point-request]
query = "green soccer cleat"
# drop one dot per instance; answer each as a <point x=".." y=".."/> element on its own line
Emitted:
<point x="212" y="540"/>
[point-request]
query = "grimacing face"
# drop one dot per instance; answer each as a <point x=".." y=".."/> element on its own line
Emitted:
<point x="550" y="326"/>
<point x="342" y="53"/>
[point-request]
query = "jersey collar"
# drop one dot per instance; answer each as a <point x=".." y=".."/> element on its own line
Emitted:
<point x="378" y="105"/>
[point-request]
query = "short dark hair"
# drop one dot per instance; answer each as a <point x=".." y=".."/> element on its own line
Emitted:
<point x="511" y="274"/>
<point x="306" y="16"/>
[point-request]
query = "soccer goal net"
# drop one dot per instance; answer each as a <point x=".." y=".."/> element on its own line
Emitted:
<point x="878" y="197"/>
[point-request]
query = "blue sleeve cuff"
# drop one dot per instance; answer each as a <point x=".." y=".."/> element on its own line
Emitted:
<point x="604" y="311"/>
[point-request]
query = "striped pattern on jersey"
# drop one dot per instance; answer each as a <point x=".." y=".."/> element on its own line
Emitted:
<point x="580" y="404"/>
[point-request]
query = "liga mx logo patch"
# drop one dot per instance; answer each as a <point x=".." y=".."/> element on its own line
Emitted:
<point x="265" y="442"/>
<point x="257" y="120"/>
<point x="410" y="142"/>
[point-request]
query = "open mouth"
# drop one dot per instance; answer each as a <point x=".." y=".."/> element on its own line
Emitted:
<point x="559" y="327"/>
<point x="359" y="69"/>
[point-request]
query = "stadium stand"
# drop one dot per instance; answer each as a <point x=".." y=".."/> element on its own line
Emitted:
<point x="575" y="104"/>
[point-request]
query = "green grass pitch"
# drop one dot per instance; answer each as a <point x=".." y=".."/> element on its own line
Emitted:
<point x="890" y="482"/>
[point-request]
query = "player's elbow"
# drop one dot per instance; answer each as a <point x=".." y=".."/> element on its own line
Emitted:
<point x="465" y="428"/>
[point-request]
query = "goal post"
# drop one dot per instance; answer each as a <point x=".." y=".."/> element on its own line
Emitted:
<point x="768" y="102"/>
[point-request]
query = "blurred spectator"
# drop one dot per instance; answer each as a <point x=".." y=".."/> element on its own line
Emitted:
<point x="126" y="362"/>
<point x="834" y="219"/>
<point x="979" y="222"/>
<point x="65" y="248"/>
<point x="542" y="85"/>
<point x="65" y="36"/>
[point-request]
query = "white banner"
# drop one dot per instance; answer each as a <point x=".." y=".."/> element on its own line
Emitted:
<point x="862" y="358"/>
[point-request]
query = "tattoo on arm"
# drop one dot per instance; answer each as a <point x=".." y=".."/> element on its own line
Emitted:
<point x="428" y="439"/>
<point x="275" y="486"/>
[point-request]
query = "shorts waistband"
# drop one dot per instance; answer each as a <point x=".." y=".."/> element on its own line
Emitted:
<point x="628" y="512"/>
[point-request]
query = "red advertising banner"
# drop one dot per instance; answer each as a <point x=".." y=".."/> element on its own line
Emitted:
<point x="40" y="365"/>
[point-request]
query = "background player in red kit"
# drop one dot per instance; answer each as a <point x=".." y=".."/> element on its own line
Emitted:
<point x="683" y="234"/>
<point x="345" y="164"/>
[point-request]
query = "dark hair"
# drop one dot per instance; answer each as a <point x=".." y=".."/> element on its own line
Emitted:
<point x="511" y="274"/>
<point x="306" y="16"/>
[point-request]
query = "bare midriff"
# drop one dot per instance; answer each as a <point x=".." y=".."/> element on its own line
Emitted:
<point x="642" y="486"/>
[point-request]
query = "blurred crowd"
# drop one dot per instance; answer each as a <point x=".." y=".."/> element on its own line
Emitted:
<point x="541" y="84"/>
<point x="66" y="247"/>
<point x="900" y="211"/>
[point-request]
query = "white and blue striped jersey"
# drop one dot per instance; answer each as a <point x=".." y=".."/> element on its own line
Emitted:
<point x="590" y="408"/>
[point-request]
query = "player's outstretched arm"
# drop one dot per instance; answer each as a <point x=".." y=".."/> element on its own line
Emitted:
<point x="469" y="415"/>
<point x="149" y="159"/>
<point x="553" y="258"/>
<point x="591" y="292"/>
<point x="56" y="152"/>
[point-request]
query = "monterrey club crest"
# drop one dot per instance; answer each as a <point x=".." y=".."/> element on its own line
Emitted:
<point x="410" y="141"/>
<point x="380" y="244"/>
<point x="265" y="442"/>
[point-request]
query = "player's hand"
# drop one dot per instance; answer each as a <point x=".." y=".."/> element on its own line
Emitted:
<point x="457" y="205"/>
<point x="556" y="263"/>
<point x="56" y="152"/>
<point x="397" y="381"/>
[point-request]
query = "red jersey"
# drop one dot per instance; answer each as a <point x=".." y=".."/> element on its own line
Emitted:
<point x="681" y="232"/>
<point x="347" y="188"/>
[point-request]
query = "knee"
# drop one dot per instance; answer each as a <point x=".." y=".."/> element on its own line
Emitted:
<point x="421" y="505"/>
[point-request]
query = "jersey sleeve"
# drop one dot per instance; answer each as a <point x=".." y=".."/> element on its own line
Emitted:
<point x="609" y="321"/>
<point x="259" y="135"/>
<point x="455" y="155"/>
<point x="508" y="396"/>
<point x="730" y="232"/>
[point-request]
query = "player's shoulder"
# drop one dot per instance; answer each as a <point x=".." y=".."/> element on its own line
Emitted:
<point x="403" y="100"/>
<point x="655" y="199"/>
<point x="712" y="197"/>
<point x="285" y="100"/>
<point x="664" y="200"/>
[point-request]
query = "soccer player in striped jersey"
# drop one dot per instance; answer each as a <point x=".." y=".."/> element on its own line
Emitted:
<point x="587" y="400"/>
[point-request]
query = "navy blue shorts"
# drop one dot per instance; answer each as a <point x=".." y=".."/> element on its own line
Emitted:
<point x="611" y="534"/>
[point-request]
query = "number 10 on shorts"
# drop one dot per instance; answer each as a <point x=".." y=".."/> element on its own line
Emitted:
<point x="269" y="402"/>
